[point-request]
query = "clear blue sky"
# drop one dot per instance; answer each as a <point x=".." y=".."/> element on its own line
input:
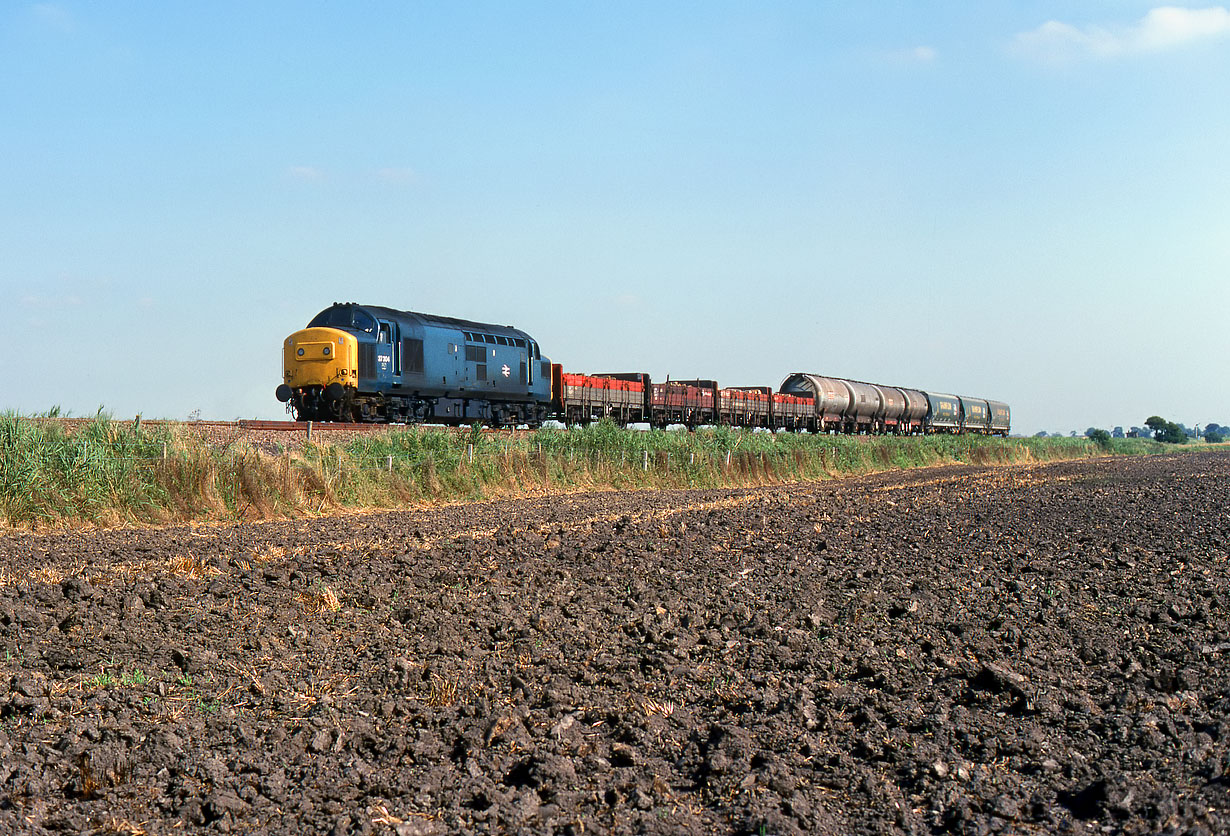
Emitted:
<point x="1027" y="201"/>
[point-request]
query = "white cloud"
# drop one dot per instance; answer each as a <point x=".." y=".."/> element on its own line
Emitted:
<point x="49" y="302"/>
<point x="910" y="55"/>
<point x="54" y="17"/>
<point x="1163" y="28"/>
<point x="305" y="172"/>
<point x="397" y="175"/>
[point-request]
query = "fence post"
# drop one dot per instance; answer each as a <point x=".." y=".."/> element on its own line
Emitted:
<point x="309" y="431"/>
<point x="645" y="465"/>
<point x="471" y="452"/>
<point x="390" y="464"/>
<point x="164" y="451"/>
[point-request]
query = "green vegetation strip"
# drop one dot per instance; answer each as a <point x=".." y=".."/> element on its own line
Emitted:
<point x="110" y="472"/>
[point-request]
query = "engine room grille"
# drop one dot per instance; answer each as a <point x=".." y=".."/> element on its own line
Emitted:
<point x="412" y="356"/>
<point x="367" y="360"/>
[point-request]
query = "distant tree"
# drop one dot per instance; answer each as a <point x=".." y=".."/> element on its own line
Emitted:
<point x="1072" y="434"/>
<point x="1214" y="427"/>
<point x="1117" y="432"/>
<point x="1216" y="436"/>
<point x="1089" y="432"/>
<point x="1166" y="431"/>
<point x="1100" y="437"/>
<point x="1040" y="434"/>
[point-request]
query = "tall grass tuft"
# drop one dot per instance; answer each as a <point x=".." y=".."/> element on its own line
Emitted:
<point x="109" y="472"/>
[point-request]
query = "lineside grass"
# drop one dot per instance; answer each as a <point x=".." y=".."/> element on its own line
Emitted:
<point x="112" y="473"/>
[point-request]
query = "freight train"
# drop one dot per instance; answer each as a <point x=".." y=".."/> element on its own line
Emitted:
<point x="373" y="364"/>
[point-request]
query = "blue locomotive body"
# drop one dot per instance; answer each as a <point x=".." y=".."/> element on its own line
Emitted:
<point x="423" y="368"/>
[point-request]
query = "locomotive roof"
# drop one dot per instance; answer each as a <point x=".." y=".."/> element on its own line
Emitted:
<point x="381" y="312"/>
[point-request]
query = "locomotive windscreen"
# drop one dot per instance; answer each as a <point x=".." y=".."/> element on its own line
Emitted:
<point x="344" y="316"/>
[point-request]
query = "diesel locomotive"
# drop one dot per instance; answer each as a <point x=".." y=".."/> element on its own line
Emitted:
<point x="367" y="363"/>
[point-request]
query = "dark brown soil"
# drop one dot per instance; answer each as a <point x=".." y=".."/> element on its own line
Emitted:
<point x="1026" y="650"/>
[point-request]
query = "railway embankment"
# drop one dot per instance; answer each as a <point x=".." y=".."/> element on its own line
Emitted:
<point x="107" y="472"/>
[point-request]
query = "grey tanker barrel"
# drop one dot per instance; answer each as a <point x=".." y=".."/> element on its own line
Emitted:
<point x="865" y="402"/>
<point x="915" y="406"/>
<point x="892" y="405"/>
<point x="831" y="396"/>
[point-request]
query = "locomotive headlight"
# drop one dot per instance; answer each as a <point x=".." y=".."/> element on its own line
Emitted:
<point x="327" y="350"/>
<point x="301" y="352"/>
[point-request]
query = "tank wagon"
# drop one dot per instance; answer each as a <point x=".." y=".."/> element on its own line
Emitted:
<point x="367" y="363"/>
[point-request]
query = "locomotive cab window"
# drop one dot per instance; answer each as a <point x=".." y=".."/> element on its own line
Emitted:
<point x="364" y="321"/>
<point x="344" y="316"/>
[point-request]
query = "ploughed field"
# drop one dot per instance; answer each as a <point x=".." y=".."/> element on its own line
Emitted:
<point x="961" y="649"/>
